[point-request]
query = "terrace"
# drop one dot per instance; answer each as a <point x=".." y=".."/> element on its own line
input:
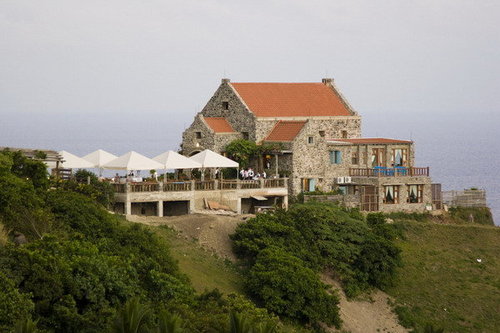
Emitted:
<point x="389" y="172"/>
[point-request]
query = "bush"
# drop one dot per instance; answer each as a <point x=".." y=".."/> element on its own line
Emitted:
<point x="286" y="287"/>
<point x="14" y="305"/>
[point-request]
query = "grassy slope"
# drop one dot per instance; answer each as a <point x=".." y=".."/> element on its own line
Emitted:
<point x="205" y="270"/>
<point x="443" y="284"/>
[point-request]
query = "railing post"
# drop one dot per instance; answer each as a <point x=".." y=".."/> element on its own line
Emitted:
<point x="238" y="184"/>
<point x="261" y="183"/>
<point x="216" y="184"/>
<point x="193" y="185"/>
<point x="427" y="171"/>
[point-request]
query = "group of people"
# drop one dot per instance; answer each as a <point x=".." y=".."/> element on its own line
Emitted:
<point x="247" y="174"/>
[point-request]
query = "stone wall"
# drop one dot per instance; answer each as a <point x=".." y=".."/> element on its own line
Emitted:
<point x="191" y="144"/>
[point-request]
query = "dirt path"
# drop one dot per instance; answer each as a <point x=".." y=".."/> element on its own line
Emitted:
<point x="212" y="232"/>
<point x="366" y="316"/>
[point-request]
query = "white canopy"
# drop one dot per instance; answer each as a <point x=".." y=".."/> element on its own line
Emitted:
<point x="173" y="160"/>
<point x="71" y="161"/>
<point x="99" y="158"/>
<point x="210" y="159"/>
<point x="133" y="161"/>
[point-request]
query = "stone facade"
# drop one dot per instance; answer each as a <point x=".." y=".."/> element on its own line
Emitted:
<point x="316" y="157"/>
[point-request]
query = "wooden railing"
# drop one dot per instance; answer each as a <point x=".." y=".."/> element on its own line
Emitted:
<point x="204" y="185"/>
<point x="144" y="187"/>
<point x="119" y="188"/>
<point x="248" y="184"/>
<point x="177" y="186"/>
<point x="388" y="172"/>
<point x="198" y="185"/>
<point x="274" y="182"/>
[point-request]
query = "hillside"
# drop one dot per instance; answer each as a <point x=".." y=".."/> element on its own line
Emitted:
<point x="450" y="277"/>
<point x="440" y="271"/>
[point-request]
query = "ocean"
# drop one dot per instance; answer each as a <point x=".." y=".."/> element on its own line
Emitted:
<point x="462" y="151"/>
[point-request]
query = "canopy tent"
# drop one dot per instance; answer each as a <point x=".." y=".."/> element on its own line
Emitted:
<point x="71" y="161"/>
<point x="132" y="161"/>
<point x="99" y="158"/>
<point x="210" y="159"/>
<point x="173" y="160"/>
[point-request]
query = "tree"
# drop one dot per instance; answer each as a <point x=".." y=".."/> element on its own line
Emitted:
<point x="286" y="287"/>
<point x="242" y="150"/>
<point x="14" y="304"/>
<point x="132" y="318"/>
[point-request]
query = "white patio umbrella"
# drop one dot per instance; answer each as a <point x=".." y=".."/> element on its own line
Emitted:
<point x="132" y="161"/>
<point x="210" y="159"/>
<point x="71" y="161"/>
<point x="99" y="158"/>
<point x="173" y="160"/>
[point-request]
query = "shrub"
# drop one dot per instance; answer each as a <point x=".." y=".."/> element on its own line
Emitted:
<point x="286" y="287"/>
<point x="14" y="305"/>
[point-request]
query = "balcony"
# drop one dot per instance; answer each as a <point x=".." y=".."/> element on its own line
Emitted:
<point x="199" y="185"/>
<point x="389" y="172"/>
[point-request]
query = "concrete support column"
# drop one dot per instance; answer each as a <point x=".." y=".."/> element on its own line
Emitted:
<point x="160" y="208"/>
<point x="285" y="202"/>
<point x="191" y="206"/>
<point x="128" y="207"/>
<point x="238" y="206"/>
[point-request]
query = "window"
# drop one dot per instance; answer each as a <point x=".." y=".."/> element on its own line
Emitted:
<point x="354" y="158"/>
<point x="415" y="193"/>
<point x="245" y="135"/>
<point x="321" y="133"/>
<point x="308" y="184"/>
<point x="391" y="194"/>
<point x="378" y="157"/>
<point x="335" y="157"/>
<point x="343" y="189"/>
<point x="198" y="135"/>
<point x="310" y="140"/>
<point x="399" y="157"/>
<point x="225" y="105"/>
<point x="344" y="134"/>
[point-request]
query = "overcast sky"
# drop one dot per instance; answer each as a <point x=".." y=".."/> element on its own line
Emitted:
<point x="158" y="56"/>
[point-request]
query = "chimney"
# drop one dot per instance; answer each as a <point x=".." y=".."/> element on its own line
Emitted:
<point x="225" y="80"/>
<point x="327" y="81"/>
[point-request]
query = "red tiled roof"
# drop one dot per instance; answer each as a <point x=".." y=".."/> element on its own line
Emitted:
<point x="291" y="99"/>
<point x="285" y="131"/>
<point x="219" y="124"/>
<point x="371" y="141"/>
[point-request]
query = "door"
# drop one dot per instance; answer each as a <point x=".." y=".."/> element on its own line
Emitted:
<point x="369" y="198"/>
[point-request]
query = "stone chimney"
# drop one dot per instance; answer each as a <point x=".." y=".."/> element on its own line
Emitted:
<point x="225" y="80"/>
<point x="327" y="81"/>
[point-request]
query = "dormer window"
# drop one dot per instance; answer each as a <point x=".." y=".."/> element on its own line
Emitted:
<point x="225" y="105"/>
<point x="321" y="133"/>
<point x="198" y="135"/>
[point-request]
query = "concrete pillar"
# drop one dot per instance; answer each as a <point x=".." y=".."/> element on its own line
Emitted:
<point x="160" y="208"/>
<point x="238" y="206"/>
<point x="191" y="206"/>
<point x="285" y="202"/>
<point x="128" y="207"/>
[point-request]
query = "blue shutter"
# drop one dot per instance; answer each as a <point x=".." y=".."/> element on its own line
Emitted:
<point x="332" y="157"/>
<point x="312" y="185"/>
<point x="338" y="157"/>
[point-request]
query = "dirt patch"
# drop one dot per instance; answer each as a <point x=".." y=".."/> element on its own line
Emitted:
<point x="363" y="316"/>
<point x="210" y="230"/>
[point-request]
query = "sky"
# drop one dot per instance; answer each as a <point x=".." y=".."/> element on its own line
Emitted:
<point x="161" y="57"/>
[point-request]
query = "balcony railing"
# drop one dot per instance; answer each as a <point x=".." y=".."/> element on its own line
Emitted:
<point x="198" y="185"/>
<point x="388" y="172"/>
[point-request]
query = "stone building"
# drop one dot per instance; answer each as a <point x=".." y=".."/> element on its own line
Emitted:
<point x="320" y="145"/>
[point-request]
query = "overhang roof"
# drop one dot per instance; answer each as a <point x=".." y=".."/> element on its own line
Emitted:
<point x="291" y="99"/>
<point x="285" y="131"/>
<point x="219" y="124"/>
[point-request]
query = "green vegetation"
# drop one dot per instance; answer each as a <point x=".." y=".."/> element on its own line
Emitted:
<point x="204" y="269"/>
<point x="285" y="251"/>
<point x="81" y="264"/>
<point x="479" y="215"/>
<point x="449" y="278"/>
